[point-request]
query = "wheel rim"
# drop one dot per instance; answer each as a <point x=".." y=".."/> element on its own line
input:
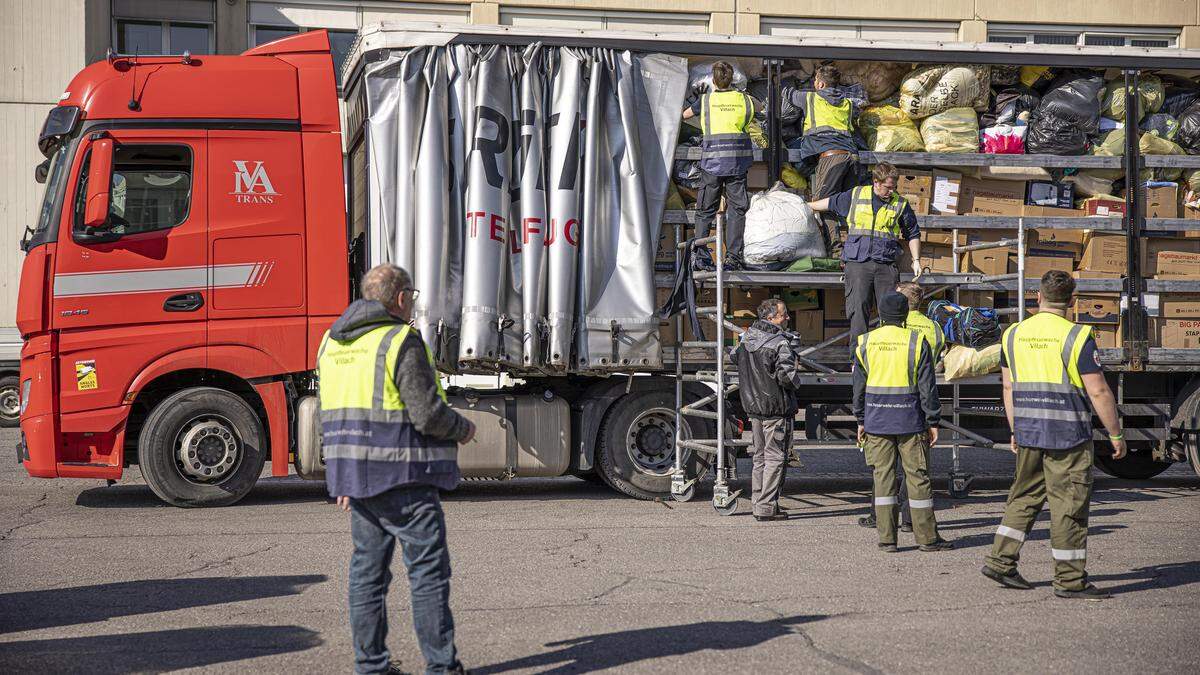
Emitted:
<point x="650" y="441"/>
<point x="208" y="450"/>
<point x="10" y="402"/>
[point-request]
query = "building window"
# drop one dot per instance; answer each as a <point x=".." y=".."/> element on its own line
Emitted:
<point x="339" y="40"/>
<point x="163" y="37"/>
<point x="1158" y="38"/>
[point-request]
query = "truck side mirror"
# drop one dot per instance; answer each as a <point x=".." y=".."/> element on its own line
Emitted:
<point x="99" y="184"/>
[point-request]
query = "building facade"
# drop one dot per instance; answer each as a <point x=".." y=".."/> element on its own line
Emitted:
<point x="45" y="42"/>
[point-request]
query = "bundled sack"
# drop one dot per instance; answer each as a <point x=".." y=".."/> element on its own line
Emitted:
<point x="780" y="227"/>
<point x="953" y="131"/>
<point x="934" y="89"/>
<point x="974" y="327"/>
<point x="1090" y="183"/>
<point x="686" y="172"/>
<point x="1150" y="97"/>
<point x="793" y="178"/>
<point x="1065" y="117"/>
<point x="700" y="76"/>
<point x="1179" y="93"/>
<point x="1004" y="139"/>
<point x="1162" y="124"/>
<point x="964" y="362"/>
<point x="1010" y="106"/>
<point x="788" y="111"/>
<point x="878" y="79"/>
<point x="1188" y="136"/>
<point x="887" y="128"/>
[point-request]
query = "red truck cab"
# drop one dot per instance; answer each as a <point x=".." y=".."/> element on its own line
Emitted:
<point x="191" y="248"/>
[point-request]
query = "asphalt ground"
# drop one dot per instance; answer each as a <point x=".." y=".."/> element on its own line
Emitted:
<point x="563" y="576"/>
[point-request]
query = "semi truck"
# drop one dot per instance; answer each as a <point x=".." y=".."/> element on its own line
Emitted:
<point x="206" y="218"/>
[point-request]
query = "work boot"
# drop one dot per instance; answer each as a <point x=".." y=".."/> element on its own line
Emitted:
<point x="888" y="548"/>
<point x="1011" y="580"/>
<point x="781" y="515"/>
<point x="867" y="521"/>
<point x="1088" y="592"/>
<point x="733" y="263"/>
<point x="939" y="545"/>
<point x="794" y="461"/>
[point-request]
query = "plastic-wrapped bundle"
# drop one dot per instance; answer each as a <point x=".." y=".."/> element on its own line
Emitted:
<point x="878" y="79"/>
<point x="1179" y="93"/>
<point x="887" y="128"/>
<point x="1004" y="139"/>
<point x="686" y="172"/>
<point x="700" y="76"/>
<point x="1162" y="124"/>
<point x="1090" y="182"/>
<point x="1065" y="117"/>
<point x="780" y="227"/>
<point x="934" y="89"/>
<point x="1150" y="97"/>
<point x="1010" y="105"/>
<point x="1189" y="129"/>
<point x="788" y="111"/>
<point x="955" y="130"/>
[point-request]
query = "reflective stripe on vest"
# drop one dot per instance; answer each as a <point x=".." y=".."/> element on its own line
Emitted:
<point x="363" y="417"/>
<point x="1050" y="407"/>
<point x="889" y="355"/>
<point x="929" y="330"/>
<point x="864" y="220"/>
<point x="726" y="148"/>
<point x="821" y="115"/>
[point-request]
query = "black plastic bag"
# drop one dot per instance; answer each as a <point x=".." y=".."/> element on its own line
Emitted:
<point x="974" y="327"/>
<point x="1009" y="103"/>
<point x="1189" y="129"/>
<point x="1066" y="116"/>
<point x="788" y="111"/>
<point x="1163" y="124"/>
<point x="1180" y="92"/>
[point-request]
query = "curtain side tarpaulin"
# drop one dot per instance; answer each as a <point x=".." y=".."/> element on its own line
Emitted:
<point x="524" y="189"/>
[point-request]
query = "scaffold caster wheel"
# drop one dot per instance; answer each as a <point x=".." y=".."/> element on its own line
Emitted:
<point x="686" y="495"/>
<point x="729" y="509"/>
<point x="960" y="486"/>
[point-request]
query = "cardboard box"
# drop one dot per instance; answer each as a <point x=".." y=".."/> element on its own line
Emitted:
<point x="935" y="258"/>
<point x="832" y="327"/>
<point x="1089" y="274"/>
<point x="947" y="187"/>
<point x="1050" y="193"/>
<point x="977" y="299"/>
<point x="1057" y="249"/>
<point x="1162" y="202"/>
<point x="1037" y="265"/>
<point x="1051" y="212"/>
<point x="834" y="303"/>
<point x="1104" y="207"/>
<point x="810" y="325"/>
<point x="1097" y="308"/>
<point x="917" y="188"/>
<point x="988" y="262"/>
<point x="1176" y="333"/>
<point x="1104" y="253"/>
<point x="1177" y="264"/>
<point x="1153" y="247"/>
<point x="1179" y="306"/>
<point x="744" y="302"/>
<point x="1048" y="235"/>
<point x="799" y="299"/>
<point x="997" y="195"/>
<point x="1107" y="336"/>
<point x="943" y="237"/>
<point x="666" y="245"/>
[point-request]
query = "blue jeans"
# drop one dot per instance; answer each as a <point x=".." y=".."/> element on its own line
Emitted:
<point x="412" y="515"/>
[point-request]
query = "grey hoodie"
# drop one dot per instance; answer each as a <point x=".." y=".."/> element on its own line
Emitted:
<point x="414" y="377"/>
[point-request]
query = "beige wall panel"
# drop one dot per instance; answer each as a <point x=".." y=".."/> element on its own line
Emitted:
<point x="447" y="12"/>
<point x="696" y="6"/>
<point x="908" y="10"/>
<point x="583" y="19"/>
<point x="19" y="194"/>
<point x="1092" y="12"/>
<point x="485" y="12"/>
<point x="344" y="17"/>
<point x="666" y="23"/>
<point x="748" y="24"/>
<point x="723" y="22"/>
<point x="973" y="31"/>
<point x="1189" y="38"/>
<point x="41" y="48"/>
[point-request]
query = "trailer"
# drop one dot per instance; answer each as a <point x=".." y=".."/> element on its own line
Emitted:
<point x="189" y="349"/>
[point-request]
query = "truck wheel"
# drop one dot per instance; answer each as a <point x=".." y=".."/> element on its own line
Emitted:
<point x="202" y="447"/>
<point x="636" y="448"/>
<point x="1137" y="464"/>
<point x="10" y="401"/>
<point x="1193" y="450"/>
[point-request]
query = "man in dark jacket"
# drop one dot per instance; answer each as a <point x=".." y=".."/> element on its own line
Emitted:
<point x="767" y="379"/>
<point x="390" y="443"/>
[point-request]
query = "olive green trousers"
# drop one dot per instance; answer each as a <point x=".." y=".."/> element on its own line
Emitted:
<point x="913" y="450"/>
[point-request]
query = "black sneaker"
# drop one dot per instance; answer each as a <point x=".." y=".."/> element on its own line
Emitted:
<point x="1011" y="580"/>
<point x="1088" y="592"/>
<point x="939" y="545"/>
<point x="867" y="521"/>
<point x="888" y="548"/>
<point x="906" y="527"/>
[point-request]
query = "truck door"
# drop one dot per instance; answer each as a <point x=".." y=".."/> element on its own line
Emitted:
<point x="137" y="290"/>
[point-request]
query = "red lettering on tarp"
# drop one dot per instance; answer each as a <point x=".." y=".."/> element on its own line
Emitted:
<point x="514" y="242"/>
<point x="473" y="218"/>
<point x="530" y="226"/>
<point x="571" y="232"/>
<point x="497" y="228"/>
<point x="550" y="233"/>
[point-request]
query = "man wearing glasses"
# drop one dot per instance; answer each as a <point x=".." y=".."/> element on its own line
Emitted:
<point x="390" y="443"/>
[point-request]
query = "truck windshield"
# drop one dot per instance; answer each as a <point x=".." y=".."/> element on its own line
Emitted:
<point x="51" y="199"/>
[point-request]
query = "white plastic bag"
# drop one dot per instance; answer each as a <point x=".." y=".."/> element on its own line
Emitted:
<point x="780" y="227"/>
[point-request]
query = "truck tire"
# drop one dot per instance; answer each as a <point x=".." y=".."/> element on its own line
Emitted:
<point x="1135" y="465"/>
<point x="10" y="401"/>
<point x="634" y="454"/>
<point x="202" y="447"/>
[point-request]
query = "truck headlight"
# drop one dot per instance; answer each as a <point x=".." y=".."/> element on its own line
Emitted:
<point x="25" y="395"/>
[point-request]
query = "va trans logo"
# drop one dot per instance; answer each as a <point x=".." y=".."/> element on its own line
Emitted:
<point x="252" y="185"/>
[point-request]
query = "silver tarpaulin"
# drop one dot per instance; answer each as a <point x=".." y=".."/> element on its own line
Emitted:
<point x="524" y="189"/>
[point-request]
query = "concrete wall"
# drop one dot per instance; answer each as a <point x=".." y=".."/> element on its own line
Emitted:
<point x="44" y="42"/>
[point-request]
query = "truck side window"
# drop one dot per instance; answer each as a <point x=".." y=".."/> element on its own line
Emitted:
<point x="151" y="188"/>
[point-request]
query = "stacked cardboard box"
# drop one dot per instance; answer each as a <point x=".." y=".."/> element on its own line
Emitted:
<point x="1178" y="322"/>
<point x="835" y="319"/>
<point x="1170" y="257"/>
<point x="810" y="325"/>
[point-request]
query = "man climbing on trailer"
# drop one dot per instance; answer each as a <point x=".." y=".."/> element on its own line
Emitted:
<point x="898" y="410"/>
<point x="726" y="153"/>
<point x="880" y="218"/>
<point x="1050" y="369"/>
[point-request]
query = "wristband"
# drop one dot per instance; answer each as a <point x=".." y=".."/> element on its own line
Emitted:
<point x="1118" y="437"/>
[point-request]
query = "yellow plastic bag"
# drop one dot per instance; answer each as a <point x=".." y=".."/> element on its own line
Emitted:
<point x="755" y="130"/>
<point x="793" y="178"/>
<point x="887" y="128"/>
<point x="956" y="130"/>
<point x="1150" y="97"/>
<point x="1033" y="75"/>
<point x="963" y="362"/>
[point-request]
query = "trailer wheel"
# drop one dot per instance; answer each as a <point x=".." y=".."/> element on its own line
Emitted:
<point x="10" y="401"/>
<point x="1192" y="443"/>
<point x="202" y="447"/>
<point x="1137" y="464"/>
<point x="635" y="454"/>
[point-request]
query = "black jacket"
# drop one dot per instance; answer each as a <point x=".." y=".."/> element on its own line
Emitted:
<point x="767" y="374"/>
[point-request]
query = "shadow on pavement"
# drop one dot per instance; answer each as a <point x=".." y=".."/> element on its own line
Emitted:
<point x="623" y="648"/>
<point x="30" y="610"/>
<point x="268" y="491"/>
<point x="1039" y="534"/>
<point x="155" y="651"/>
<point x="1170" y="575"/>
